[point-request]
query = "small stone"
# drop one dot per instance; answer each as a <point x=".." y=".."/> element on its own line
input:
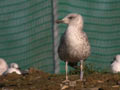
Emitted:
<point x="99" y="81"/>
<point x="64" y="87"/>
<point x="115" y="86"/>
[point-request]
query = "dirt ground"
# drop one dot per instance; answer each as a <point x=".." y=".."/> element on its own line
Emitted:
<point x="39" y="80"/>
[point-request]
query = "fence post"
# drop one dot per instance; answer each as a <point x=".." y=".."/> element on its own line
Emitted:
<point x="55" y="37"/>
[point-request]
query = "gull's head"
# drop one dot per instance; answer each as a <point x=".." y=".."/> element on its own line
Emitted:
<point x="14" y="65"/>
<point x="71" y="19"/>
<point x="117" y="58"/>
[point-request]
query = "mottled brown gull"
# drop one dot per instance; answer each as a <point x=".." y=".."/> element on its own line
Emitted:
<point x="74" y="45"/>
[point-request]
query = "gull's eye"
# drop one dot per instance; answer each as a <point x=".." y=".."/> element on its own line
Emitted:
<point x="70" y="17"/>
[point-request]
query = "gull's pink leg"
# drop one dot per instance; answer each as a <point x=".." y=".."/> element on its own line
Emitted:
<point x="66" y="69"/>
<point x="81" y="70"/>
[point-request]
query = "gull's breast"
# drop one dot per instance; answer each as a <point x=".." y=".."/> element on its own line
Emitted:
<point x="74" y="46"/>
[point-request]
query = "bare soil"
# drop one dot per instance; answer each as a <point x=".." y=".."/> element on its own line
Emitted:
<point x="39" y="80"/>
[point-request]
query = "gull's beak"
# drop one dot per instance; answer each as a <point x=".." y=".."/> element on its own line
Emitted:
<point x="59" y="21"/>
<point x="113" y="60"/>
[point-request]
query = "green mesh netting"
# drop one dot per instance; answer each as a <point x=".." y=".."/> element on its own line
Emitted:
<point x="26" y="33"/>
<point x="102" y="25"/>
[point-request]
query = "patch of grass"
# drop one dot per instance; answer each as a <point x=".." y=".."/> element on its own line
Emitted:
<point x="88" y="69"/>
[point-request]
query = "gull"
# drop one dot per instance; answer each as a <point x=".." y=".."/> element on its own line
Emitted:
<point x="3" y="66"/>
<point x="13" y="68"/>
<point x="74" y="45"/>
<point x="115" y="66"/>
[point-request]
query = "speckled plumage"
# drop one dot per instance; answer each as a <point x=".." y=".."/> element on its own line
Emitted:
<point x="74" y="45"/>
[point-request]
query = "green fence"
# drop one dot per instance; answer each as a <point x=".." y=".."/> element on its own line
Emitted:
<point x="102" y="25"/>
<point x="29" y="37"/>
<point x="26" y="33"/>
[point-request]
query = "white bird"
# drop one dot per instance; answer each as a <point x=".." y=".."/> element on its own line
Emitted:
<point x="3" y="66"/>
<point x="13" y="68"/>
<point x="115" y="66"/>
<point x="74" y="45"/>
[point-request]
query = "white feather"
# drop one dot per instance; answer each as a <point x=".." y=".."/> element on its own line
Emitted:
<point x="115" y="66"/>
<point x="3" y="66"/>
<point x="13" y="68"/>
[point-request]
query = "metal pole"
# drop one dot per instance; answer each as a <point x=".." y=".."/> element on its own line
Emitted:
<point x="55" y="37"/>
